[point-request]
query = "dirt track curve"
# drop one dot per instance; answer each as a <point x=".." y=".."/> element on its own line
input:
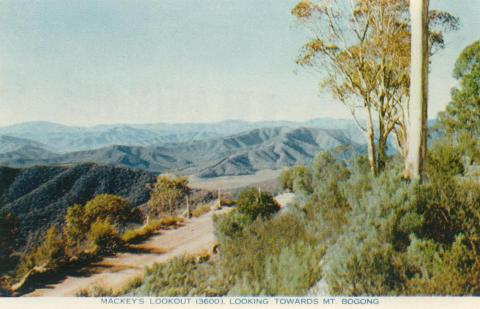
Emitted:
<point x="114" y="272"/>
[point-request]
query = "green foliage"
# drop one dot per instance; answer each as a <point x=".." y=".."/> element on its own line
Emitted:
<point x="286" y="179"/>
<point x="113" y="208"/>
<point x="409" y="238"/>
<point x="88" y="231"/>
<point x="76" y="227"/>
<point x="49" y="256"/>
<point x="290" y="272"/>
<point x="438" y="271"/>
<point x="296" y="179"/>
<point x="253" y="257"/>
<point x="230" y="225"/>
<point x="463" y="112"/>
<point x="8" y="231"/>
<point x="444" y="161"/>
<point x="103" y="237"/>
<point x="364" y="260"/>
<point x="167" y="194"/>
<point x="253" y="204"/>
<point x="461" y="120"/>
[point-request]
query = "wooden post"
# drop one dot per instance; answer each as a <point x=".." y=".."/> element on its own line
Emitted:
<point x="219" y="204"/>
<point x="189" y="213"/>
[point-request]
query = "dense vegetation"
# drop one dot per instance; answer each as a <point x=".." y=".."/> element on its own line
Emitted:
<point x="363" y="234"/>
<point x="39" y="196"/>
<point x="102" y="226"/>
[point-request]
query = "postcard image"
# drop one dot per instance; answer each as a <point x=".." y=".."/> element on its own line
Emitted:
<point x="276" y="153"/>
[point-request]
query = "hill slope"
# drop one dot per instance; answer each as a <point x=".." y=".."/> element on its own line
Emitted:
<point x="39" y="196"/>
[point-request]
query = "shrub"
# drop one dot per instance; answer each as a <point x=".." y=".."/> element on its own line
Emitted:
<point x="49" y="256"/>
<point x="286" y="179"/>
<point x="438" y="271"/>
<point x="103" y="238"/>
<point x="113" y="208"/>
<point x="181" y="276"/>
<point x="75" y="228"/>
<point x="230" y="225"/>
<point x="298" y="179"/>
<point x="366" y="259"/>
<point x="292" y="272"/>
<point x="444" y="161"/>
<point x="253" y="204"/>
<point x="409" y="238"/>
<point x="167" y="194"/>
<point x="251" y="256"/>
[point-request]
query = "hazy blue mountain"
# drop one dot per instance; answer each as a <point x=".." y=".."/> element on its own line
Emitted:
<point x="63" y="139"/>
<point x="242" y="153"/>
<point x="19" y="151"/>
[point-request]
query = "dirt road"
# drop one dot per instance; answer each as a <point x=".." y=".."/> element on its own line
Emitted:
<point x="114" y="272"/>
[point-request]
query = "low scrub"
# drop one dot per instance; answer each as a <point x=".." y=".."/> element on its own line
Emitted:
<point x="201" y="210"/>
<point x="267" y="257"/>
<point x="142" y="233"/>
<point x="89" y="232"/>
<point x="182" y="276"/>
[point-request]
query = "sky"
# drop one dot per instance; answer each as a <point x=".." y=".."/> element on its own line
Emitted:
<point x="124" y="61"/>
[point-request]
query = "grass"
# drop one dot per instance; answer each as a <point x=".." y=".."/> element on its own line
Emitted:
<point x="201" y="210"/>
<point x="146" y="231"/>
<point x="100" y="291"/>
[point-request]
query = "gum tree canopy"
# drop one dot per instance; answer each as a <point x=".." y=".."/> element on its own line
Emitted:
<point x="361" y="50"/>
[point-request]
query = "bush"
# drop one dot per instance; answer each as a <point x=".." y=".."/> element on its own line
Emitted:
<point x="366" y="258"/>
<point x="438" y="271"/>
<point x="286" y="179"/>
<point x="113" y="208"/>
<point x="167" y="194"/>
<point x="252" y="255"/>
<point x="298" y="179"/>
<point x="230" y="225"/>
<point x="49" y="256"/>
<point x="253" y="204"/>
<point x="181" y="276"/>
<point x="75" y="229"/>
<point x="103" y="238"/>
<point x="444" y="161"/>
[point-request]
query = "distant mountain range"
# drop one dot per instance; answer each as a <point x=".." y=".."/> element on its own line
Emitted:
<point x="209" y="150"/>
<point x="39" y="196"/>
<point x="62" y="139"/>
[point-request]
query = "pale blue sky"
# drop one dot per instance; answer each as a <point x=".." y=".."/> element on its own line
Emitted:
<point x="85" y="62"/>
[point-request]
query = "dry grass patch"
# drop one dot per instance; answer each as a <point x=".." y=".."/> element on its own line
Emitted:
<point x="151" y="228"/>
<point x="201" y="210"/>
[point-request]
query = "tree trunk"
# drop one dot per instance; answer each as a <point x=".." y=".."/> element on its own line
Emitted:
<point x="372" y="158"/>
<point x="381" y="145"/>
<point x="417" y="133"/>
